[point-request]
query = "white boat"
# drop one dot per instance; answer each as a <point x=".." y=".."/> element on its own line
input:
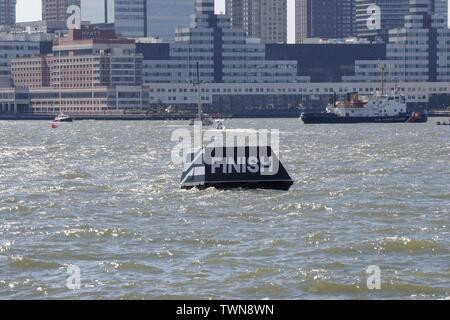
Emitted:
<point x="219" y="124"/>
<point x="61" y="117"/>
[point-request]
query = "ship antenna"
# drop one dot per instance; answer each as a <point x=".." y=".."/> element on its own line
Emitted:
<point x="199" y="107"/>
<point x="382" y="68"/>
<point x="200" y="112"/>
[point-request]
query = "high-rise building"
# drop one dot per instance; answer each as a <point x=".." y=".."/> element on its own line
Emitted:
<point x="130" y="18"/>
<point x="7" y="12"/>
<point x="374" y="18"/>
<point x="263" y="19"/>
<point x="441" y="9"/>
<point x="97" y="11"/>
<point x="345" y="18"/>
<point x="333" y="19"/>
<point x="56" y="10"/>
<point x="417" y="51"/>
<point x="223" y="54"/>
<point x="237" y="10"/>
<point x="151" y="18"/>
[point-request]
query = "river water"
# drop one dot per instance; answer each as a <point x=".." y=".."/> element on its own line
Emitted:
<point x="104" y="197"/>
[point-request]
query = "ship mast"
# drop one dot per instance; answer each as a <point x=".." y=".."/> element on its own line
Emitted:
<point x="199" y="108"/>
<point x="382" y="69"/>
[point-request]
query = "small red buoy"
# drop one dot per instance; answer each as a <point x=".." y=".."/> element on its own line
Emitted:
<point x="54" y="125"/>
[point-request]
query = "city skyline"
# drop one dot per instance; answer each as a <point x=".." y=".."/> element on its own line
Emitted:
<point x="30" y="10"/>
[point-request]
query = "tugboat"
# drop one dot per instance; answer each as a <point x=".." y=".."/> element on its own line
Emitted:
<point x="361" y="109"/>
<point x="61" y="117"/>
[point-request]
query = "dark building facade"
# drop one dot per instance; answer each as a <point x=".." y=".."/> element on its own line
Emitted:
<point x="332" y="19"/>
<point x="326" y="62"/>
<point x="154" y="51"/>
<point x="321" y="62"/>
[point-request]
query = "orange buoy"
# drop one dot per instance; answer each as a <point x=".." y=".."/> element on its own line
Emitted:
<point x="54" y="125"/>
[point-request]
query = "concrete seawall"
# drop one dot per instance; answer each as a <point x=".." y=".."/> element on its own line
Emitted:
<point x="153" y="117"/>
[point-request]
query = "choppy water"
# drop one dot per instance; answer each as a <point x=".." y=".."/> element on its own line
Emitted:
<point x="100" y="196"/>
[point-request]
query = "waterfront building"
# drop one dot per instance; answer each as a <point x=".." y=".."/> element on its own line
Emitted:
<point x="417" y="52"/>
<point x="56" y="10"/>
<point x="7" y="12"/>
<point x="83" y="58"/>
<point x="15" y="45"/>
<point x="151" y="18"/>
<point x="14" y="100"/>
<point x="32" y="72"/>
<point x="90" y="58"/>
<point x="262" y="19"/>
<point x="242" y="98"/>
<point x="230" y="98"/>
<point x="332" y="19"/>
<point x="224" y="54"/>
<point x="374" y="18"/>
<point x="84" y="101"/>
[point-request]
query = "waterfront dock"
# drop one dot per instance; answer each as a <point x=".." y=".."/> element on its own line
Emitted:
<point x="151" y="117"/>
<point x="439" y="113"/>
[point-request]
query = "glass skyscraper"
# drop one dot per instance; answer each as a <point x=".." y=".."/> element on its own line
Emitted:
<point x="97" y="11"/>
<point x="56" y="10"/>
<point x="375" y="18"/>
<point x="151" y="18"/>
<point x="7" y="12"/>
<point x="441" y="9"/>
<point x="224" y="54"/>
<point x="325" y="19"/>
<point x="266" y="20"/>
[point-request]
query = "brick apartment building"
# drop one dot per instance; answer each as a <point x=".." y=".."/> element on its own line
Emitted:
<point x="84" y="58"/>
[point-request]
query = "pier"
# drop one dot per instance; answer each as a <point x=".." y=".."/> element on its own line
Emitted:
<point x="114" y="116"/>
